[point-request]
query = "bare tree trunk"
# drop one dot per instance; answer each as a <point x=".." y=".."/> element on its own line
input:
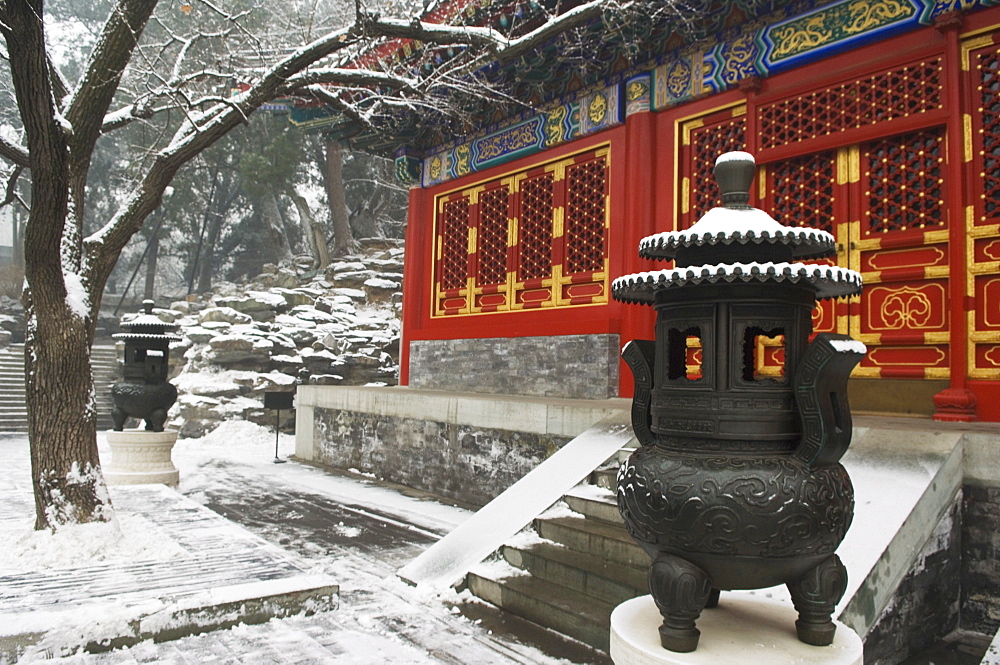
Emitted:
<point x="314" y="230"/>
<point x="343" y="239"/>
<point x="280" y="249"/>
<point x="62" y="425"/>
<point x="208" y="260"/>
<point x="149" y="293"/>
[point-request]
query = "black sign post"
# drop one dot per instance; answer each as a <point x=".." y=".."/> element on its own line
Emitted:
<point x="277" y="400"/>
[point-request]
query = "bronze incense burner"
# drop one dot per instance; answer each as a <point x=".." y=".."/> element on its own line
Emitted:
<point x="144" y="392"/>
<point x="737" y="483"/>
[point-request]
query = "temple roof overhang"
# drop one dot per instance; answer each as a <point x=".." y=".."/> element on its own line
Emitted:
<point x="593" y="79"/>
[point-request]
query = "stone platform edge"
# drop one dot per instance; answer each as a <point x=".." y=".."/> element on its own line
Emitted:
<point x="168" y="618"/>
<point x="535" y="415"/>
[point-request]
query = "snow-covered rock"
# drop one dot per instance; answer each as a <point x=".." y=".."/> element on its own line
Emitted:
<point x="274" y="333"/>
<point x="223" y="315"/>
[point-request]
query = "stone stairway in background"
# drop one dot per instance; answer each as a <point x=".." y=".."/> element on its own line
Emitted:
<point x="13" y="408"/>
<point x="579" y="568"/>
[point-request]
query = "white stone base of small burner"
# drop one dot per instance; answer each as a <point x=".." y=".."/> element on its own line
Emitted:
<point x="139" y="457"/>
<point x="743" y="630"/>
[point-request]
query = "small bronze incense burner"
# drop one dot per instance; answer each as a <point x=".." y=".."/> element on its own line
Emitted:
<point x="737" y="483"/>
<point x="145" y="392"/>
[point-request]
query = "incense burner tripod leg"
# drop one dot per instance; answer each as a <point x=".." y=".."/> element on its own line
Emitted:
<point x="681" y="590"/>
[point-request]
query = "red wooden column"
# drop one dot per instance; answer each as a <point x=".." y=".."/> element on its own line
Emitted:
<point x="957" y="402"/>
<point x="417" y="276"/>
<point x="641" y="163"/>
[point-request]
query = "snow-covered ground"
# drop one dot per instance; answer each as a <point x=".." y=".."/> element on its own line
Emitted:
<point x="349" y="528"/>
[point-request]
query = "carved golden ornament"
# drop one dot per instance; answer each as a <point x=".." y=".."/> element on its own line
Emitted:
<point x="741" y="52"/>
<point x="636" y="90"/>
<point x="463" y="160"/>
<point x="597" y="110"/>
<point x="509" y="140"/>
<point x="906" y="308"/>
<point x="554" y="125"/>
<point x="435" y="168"/>
<point x="679" y="79"/>
<point x="835" y="23"/>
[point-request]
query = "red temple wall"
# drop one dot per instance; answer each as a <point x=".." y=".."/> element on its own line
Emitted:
<point x="892" y="148"/>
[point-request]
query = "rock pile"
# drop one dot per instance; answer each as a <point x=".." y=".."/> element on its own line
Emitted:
<point x="283" y="329"/>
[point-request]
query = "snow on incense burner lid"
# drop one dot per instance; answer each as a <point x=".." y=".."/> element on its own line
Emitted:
<point x="737" y="242"/>
<point x="146" y="325"/>
<point x="750" y="233"/>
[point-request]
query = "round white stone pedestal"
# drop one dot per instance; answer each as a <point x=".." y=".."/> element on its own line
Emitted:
<point x="139" y="457"/>
<point x="742" y="630"/>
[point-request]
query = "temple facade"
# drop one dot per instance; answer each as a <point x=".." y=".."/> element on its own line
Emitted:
<point x="875" y="120"/>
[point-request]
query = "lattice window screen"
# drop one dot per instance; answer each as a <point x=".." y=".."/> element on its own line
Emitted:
<point x="537" y="238"/>
<point x="535" y="227"/>
<point x="494" y="214"/>
<point x="703" y="145"/>
<point x="455" y="243"/>
<point x="586" y="187"/>
<point x="803" y="190"/>
<point x="881" y="97"/>
<point x="904" y="176"/>
<point x="988" y="69"/>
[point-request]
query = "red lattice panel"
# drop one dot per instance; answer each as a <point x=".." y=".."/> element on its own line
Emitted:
<point x="878" y="98"/>
<point x="535" y="228"/>
<point x="905" y="188"/>
<point x="455" y="244"/>
<point x="707" y="143"/>
<point x="988" y="66"/>
<point x="803" y="191"/>
<point x="494" y="214"/>
<point x="585" y="215"/>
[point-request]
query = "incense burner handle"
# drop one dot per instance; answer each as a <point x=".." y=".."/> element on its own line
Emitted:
<point x="821" y="397"/>
<point x="640" y="355"/>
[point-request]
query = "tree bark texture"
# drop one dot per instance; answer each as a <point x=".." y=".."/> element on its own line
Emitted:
<point x="314" y="230"/>
<point x="343" y="239"/>
<point x="66" y="477"/>
<point x="149" y="293"/>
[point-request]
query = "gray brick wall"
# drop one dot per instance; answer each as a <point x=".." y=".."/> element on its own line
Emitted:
<point x="981" y="559"/>
<point x="570" y="366"/>
<point x="466" y="463"/>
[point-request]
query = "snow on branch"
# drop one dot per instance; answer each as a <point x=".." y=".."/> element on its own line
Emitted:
<point x="355" y="77"/>
<point x="12" y="152"/>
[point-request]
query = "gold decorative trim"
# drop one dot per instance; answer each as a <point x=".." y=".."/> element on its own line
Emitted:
<point x="558" y="222"/>
<point x="854" y="161"/>
<point x="474" y="193"/>
<point x="843" y="166"/>
<point x="973" y="43"/>
<point x="685" y="195"/>
<point x="966" y="137"/>
<point x="688" y="127"/>
<point x="472" y="240"/>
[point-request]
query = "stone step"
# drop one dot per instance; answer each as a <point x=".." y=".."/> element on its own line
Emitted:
<point x="562" y="609"/>
<point x="606" y="477"/>
<point x="594" y="503"/>
<point x="606" y="541"/>
<point x="579" y="571"/>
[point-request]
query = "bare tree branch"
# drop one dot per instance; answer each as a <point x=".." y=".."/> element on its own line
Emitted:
<point x="12" y="152"/>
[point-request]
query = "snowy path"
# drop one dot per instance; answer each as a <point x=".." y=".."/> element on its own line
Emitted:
<point x="355" y="531"/>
